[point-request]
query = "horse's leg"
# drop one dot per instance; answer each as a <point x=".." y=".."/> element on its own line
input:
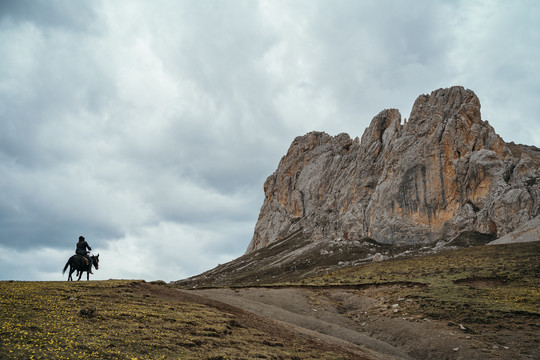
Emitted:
<point x="71" y="269"/>
<point x="80" y="275"/>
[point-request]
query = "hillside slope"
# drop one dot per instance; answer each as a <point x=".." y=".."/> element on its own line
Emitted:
<point x="137" y="320"/>
<point x="480" y="302"/>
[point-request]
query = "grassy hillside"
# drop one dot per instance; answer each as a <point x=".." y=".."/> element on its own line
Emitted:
<point x="473" y="284"/>
<point x="491" y="293"/>
<point x="132" y="320"/>
<point x="295" y="258"/>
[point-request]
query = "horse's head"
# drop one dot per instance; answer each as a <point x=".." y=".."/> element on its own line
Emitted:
<point x="95" y="261"/>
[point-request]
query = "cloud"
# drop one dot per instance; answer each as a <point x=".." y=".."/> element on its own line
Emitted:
<point x="150" y="128"/>
<point x="494" y="55"/>
<point x="49" y="13"/>
<point x="184" y="250"/>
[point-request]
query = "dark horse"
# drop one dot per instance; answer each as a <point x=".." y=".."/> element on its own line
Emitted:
<point x="76" y="262"/>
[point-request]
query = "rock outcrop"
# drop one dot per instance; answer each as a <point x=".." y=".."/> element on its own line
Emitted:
<point x="442" y="172"/>
<point x="525" y="233"/>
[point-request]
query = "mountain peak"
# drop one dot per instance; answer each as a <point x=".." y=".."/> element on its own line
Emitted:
<point x="442" y="172"/>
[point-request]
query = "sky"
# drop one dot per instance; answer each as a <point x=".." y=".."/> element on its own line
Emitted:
<point x="149" y="127"/>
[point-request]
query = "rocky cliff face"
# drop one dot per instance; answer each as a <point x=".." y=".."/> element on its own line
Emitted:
<point x="442" y="172"/>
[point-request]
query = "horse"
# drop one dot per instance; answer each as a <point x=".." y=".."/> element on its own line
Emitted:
<point x="76" y="262"/>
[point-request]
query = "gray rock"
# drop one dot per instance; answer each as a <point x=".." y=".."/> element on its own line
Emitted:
<point x="526" y="233"/>
<point x="379" y="257"/>
<point x="442" y="172"/>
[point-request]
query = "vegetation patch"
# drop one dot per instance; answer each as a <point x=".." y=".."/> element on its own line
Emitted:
<point x="127" y="320"/>
<point x="471" y="285"/>
<point x="482" y="282"/>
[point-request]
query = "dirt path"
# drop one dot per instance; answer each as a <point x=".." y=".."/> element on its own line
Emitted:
<point x="326" y="316"/>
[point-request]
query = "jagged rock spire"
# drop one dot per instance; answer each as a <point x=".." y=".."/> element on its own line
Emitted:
<point x="442" y="172"/>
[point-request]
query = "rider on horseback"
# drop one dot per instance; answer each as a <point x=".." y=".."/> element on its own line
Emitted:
<point x="82" y="245"/>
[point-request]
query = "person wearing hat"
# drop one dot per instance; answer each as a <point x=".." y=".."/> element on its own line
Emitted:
<point x="82" y="245"/>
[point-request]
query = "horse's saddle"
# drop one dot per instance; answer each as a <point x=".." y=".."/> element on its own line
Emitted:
<point x="85" y="260"/>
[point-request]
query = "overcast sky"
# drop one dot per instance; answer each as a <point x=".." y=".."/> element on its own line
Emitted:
<point x="149" y="127"/>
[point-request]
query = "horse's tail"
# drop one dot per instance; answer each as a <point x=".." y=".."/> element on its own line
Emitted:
<point x="65" y="267"/>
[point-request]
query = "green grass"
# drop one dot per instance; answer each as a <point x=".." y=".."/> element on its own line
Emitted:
<point x="473" y="285"/>
<point x="127" y="320"/>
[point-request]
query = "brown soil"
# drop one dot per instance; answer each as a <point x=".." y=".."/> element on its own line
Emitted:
<point x="359" y="320"/>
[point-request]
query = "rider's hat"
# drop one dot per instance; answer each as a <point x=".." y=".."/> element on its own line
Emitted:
<point x="81" y="237"/>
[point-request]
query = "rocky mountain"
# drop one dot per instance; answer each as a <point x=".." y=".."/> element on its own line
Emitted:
<point x="441" y="173"/>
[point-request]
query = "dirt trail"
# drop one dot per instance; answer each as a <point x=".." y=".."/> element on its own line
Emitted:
<point x="321" y="314"/>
